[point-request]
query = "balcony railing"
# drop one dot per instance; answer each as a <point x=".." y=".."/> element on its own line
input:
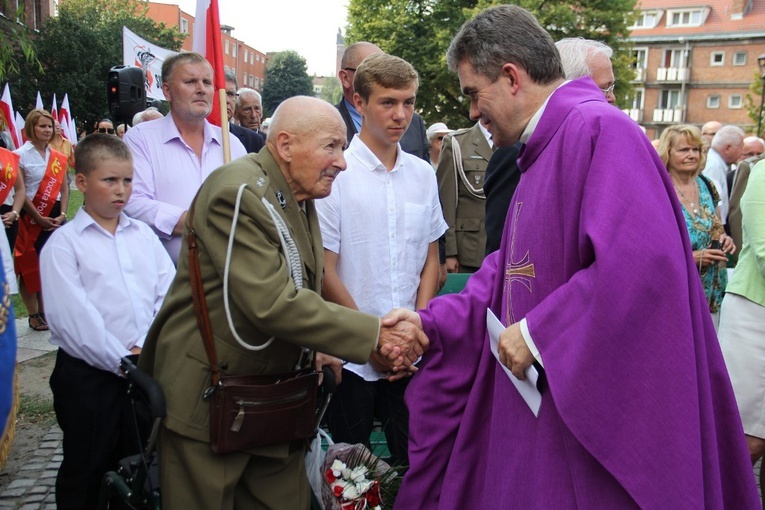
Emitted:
<point x="670" y="115"/>
<point x="634" y="114"/>
<point x="672" y="74"/>
<point x="640" y="73"/>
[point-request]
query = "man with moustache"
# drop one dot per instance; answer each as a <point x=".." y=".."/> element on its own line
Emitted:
<point x="269" y="308"/>
<point x="172" y="156"/>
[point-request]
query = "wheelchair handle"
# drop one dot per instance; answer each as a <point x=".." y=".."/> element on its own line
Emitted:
<point x="147" y="385"/>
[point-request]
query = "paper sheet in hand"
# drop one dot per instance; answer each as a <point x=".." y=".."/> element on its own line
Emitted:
<point x="528" y="388"/>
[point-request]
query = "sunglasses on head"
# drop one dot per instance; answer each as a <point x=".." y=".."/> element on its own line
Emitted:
<point x="106" y="130"/>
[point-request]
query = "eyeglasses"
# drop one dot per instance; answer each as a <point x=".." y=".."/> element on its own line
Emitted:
<point x="106" y="130"/>
<point x="609" y="89"/>
<point x="232" y="94"/>
<point x="440" y="137"/>
<point x="352" y="69"/>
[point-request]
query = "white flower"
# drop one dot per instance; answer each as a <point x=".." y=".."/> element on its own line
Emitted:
<point x="347" y="473"/>
<point x="350" y="493"/>
<point x="358" y="474"/>
<point x="337" y="467"/>
<point x="363" y="486"/>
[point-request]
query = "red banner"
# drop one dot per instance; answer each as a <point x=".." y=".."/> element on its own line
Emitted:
<point x="9" y="171"/>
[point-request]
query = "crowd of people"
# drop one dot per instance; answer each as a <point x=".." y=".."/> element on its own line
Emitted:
<point x="324" y="241"/>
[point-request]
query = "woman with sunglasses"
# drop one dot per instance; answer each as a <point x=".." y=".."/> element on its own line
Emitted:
<point x="104" y="126"/>
<point x="44" y="171"/>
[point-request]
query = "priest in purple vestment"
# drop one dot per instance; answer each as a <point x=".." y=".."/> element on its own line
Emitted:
<point x="596" y="284"/>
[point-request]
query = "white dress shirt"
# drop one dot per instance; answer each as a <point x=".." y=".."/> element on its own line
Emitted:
<point x="33" y="166"/>
<point x="380" y="224"/>
<point x="717" y="169"/>
<point x="102" y="291"/>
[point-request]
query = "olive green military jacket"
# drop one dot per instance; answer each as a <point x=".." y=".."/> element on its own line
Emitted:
<point x="464" y="211"/>
<point x="263" y="298"/>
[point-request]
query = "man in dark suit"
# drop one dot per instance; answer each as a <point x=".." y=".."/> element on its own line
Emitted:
<point x="414" y="140"/>
<point x="251" y="140"/>
<point x="502" y="177"/>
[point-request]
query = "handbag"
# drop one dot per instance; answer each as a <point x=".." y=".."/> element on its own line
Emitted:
<point x="248" y="411"/>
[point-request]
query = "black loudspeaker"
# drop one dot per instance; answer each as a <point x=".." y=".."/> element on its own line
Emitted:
<point x="126" y="93"/>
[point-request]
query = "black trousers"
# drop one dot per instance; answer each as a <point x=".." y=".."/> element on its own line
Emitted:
<point x="357" y="403"/>
<point x="94" y="412"/>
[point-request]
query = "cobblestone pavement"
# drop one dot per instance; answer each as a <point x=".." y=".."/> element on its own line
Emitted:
<point x="34" y="486"/>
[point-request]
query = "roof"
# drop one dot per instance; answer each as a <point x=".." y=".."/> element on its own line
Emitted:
<point x="720" y="21"/>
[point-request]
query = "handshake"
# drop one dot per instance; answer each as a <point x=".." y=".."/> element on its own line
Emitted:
<point x="400" y="344"/>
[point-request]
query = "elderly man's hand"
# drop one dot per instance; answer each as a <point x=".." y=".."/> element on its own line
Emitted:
<point x="401" y="343"/>
<point x="513" y="351"/>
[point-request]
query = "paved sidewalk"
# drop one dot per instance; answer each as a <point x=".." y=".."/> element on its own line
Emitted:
<point x="34" y="485"/>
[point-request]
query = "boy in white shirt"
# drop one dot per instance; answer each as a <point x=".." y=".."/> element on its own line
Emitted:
<point x="104" y="278"/>
<point x="380" y="228"/>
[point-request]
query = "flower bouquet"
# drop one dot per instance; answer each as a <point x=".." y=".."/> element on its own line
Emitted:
<point x="355" y="478"/>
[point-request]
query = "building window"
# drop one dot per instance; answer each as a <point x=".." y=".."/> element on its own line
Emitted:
<point x="233" y="50"/>
<point x="257" y="82"/>
<point x="717" y="58"/>
<point x="713" y="101"/>
<point x="647" y="19"/>
<point x="244" y="80"/>
<point x="673" y="58"/>
<point x="252" y="81"/>
<point x="669" y="99"/>
<point x="638" y="100"/>
<point x="685" y="18"/>
<point x="739" y="58"/>
<point x="184" y="26"/>
<point x="252" y="58"/>
<point x="246" y="55"/>
<point x="735" y="101"/>
<point x="225" y="46"/>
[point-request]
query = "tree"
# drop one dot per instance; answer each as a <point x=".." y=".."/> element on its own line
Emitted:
<point x="420" y="31"/>
<point x="332" y="90"/>
<point x="16" y="47"/>
<point x="754" y="102"/>
<point x="286" y="76"/>
<point x="79" y="46"/>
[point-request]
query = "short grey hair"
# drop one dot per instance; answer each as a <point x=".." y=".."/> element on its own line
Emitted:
<point x="506" y="34"/>
<point x="752" y="139"/>
<point x="138" y="117"/>
<point x="576" y="54"/>
<point x="728" y="135"/>
<point x="246" y="91"/>
<point x="230" y="76"/>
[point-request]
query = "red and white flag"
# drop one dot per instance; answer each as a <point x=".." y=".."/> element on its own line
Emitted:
<point x="65" y="118"/>
<point x="20" y="128"/>
<point x="38" y="103"/>
<point x="207" y="42"/>
<point x="54" y="108"/>
<point x="6" y="108"/>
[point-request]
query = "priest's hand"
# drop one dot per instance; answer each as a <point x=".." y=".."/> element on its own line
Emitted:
<point x="513" y="351"/>
<point x="400" y="344"/>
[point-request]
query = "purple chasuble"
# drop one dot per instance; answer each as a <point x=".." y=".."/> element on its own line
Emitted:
<point x="637" y="410"/>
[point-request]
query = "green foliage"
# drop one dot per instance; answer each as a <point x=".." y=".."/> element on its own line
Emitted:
<point x="16" y="48"/>
<point x="332" y="90"/>
<point x="420" y="31"/>
<point x="286" y="76"/>
<point x="754" y="102"/>
<point x="79" y="46"/>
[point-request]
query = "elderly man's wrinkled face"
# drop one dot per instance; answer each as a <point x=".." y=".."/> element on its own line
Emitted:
<point x="751" y="149"/>
<point x="230" y="99"/>
<point x="316" y="158"/>
<point x="249" y="111"/>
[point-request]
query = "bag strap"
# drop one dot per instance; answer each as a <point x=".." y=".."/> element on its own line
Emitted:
<point x="198" y="296"/>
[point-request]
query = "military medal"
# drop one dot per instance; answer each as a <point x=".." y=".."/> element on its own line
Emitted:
<point x="280" y="198"/>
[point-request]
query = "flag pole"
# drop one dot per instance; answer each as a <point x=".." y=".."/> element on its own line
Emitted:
<point x="224" y="126"/>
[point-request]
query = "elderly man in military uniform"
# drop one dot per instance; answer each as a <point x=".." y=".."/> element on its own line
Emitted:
<point x="274" y="304"/>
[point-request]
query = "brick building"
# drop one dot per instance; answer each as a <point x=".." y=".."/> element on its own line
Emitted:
<point x="694" y="62"/>
<point x="248" y="63"/>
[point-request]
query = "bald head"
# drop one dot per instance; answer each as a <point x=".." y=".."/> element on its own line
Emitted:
<point x="709" y="130"/>
<point x="353" y="56"/>
<point x="306" y="138"/>
<point x="753" y="146"/>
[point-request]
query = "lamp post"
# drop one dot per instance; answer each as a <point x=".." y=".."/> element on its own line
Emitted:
<point x="761" y="64"/>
